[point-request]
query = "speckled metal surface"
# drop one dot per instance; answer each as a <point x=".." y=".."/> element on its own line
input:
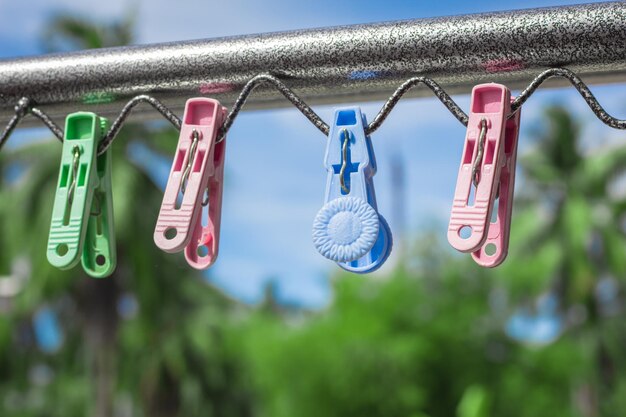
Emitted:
<point x="353" y="63"/>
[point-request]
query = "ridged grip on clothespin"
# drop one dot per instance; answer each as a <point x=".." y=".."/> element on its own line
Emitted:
<point x="75" y="187"/>
<point x="345" y="229"/>
<point x="480" y="167"/>
<point x="189" y="175"/>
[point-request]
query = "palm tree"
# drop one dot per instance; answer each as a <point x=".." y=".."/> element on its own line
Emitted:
<point x="569" y="233"/>
<point x="147" y="338"/>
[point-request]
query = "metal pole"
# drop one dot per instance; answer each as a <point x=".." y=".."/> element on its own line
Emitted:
<point x="351" y="63"/>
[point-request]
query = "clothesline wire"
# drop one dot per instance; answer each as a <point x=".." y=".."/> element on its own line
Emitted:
<point x="26" y="106"/>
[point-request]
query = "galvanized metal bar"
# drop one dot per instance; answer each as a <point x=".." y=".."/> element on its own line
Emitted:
<point x="351" y="63"/>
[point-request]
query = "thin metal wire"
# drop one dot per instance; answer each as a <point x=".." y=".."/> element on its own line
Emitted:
<point x="108" y="138"/>
<point x="439" y="92"/>
<point x="192" y="155"/>
<point x="304" y="108"/>
<point x="344" y="161"/>
<point x="205" y="202"/>
<point x="479" y="154"/>
<point x="22" y="108"/>
<point x="53" y="127"/>
<point x="25" y="106"/>
<point x="579" y="85"/>
<point x="72" y="189"/>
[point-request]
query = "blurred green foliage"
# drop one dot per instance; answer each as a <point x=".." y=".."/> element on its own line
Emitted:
<point x="408" y="344"/>
<point x="426" y="340"/>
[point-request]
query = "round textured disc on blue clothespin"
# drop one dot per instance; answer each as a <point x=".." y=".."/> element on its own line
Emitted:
<point x="376" y="256"/>
<point x="345" y="229"/>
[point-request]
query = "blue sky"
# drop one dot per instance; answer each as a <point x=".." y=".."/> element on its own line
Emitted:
<point x="266" y="228"/>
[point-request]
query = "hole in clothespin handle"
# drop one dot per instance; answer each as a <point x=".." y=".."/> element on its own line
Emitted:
<point x="170" y="233"/>
<point x="465" y="232"/>
<point x="203" y="251"/>
<point x="62" y="249"/>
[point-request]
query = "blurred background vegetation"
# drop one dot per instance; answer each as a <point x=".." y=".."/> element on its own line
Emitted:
<point x="542" y="335"/>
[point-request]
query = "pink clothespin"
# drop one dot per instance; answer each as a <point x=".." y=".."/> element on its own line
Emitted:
<point x="202" y="251"/>
<point x="496" y="247"/>
<point x="180" y="219"/>
<point x="483" y="158"/>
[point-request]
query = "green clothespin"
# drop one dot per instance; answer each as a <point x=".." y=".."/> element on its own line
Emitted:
<point x="99" y="254"/>
<point x="82" y="217"/>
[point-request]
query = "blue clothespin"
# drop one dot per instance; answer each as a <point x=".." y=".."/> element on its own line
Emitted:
<point x="348" y="228"/>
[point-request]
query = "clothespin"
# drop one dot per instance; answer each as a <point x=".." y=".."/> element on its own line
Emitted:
<point x="82" y="216"/>
<point x="348" y="229"/>
<point x="496" y="247"/>
<point x="198" y="165"/>
<point x="202" y="250"/>
<point x="481" y="165"/>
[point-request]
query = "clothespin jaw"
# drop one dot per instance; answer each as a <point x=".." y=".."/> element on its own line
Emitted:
<point x="75" y="187"/>
<point x="189" y="175"/>
<point x="496" y="247"/>
<point x="99" y="257"/>
<point x="348" y="229"/>
<point x="202" y="250"/>
<point x="483" y="157"/>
